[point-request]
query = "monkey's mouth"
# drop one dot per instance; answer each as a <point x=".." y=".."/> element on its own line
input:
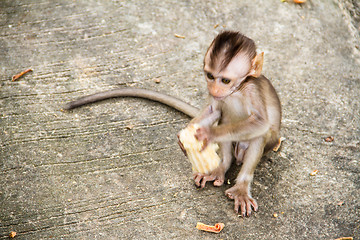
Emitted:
<point x="219" y="98"/>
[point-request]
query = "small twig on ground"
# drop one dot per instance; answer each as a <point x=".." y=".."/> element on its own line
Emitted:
<point x="19" y="75"/>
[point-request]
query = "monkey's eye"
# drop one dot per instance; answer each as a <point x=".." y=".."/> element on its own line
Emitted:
<point x="225" y="80"/>
<point x="210" y="76"/>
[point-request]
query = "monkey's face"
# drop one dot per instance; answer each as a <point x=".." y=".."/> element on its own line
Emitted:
<point x="222" y="81"/>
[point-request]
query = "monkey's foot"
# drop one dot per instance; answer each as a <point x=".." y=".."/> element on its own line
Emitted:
<point x="218" y="176"/>
<point x="240" y="194"/>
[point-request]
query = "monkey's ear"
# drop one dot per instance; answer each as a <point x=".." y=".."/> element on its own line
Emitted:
<point x="256" y="65"/>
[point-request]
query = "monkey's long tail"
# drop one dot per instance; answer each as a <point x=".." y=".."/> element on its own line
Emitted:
<point x="136" y="92"/>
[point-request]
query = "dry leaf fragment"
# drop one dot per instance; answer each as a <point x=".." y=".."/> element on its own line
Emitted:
<point x="179" y="36"/>
<point x="12" y="234"/>
<point x="329" y="139"/>
<point x="277" y="147"/>
<point x="345" y="238"/>
<point x="207" y="228"/>
<point x="19" y="75"/>
<point x="313" y="173"/>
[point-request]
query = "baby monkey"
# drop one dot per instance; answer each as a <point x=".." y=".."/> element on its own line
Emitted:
<point x="243" y="115"/>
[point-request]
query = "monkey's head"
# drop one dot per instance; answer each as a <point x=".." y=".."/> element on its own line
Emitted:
<point x="230" y="59"/>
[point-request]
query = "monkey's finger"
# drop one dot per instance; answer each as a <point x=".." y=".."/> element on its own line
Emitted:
<point x="203" y="182"/>
<point x="205" y="143"/>
<point x="248" y="208"/>
<point x="243" y="207"/>
<point x="198" y="175"/>
<point x="236" y="205"/>
<point x="206" y="179"/>
<point x="200" y="134"/>
<point x="254" y="204"/>
<point x="229" y="195"/>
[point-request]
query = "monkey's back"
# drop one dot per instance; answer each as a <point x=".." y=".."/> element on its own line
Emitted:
<point x="271" y="101"/>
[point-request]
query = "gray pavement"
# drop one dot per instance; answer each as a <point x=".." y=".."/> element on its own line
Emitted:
<point x="113" y="170"/>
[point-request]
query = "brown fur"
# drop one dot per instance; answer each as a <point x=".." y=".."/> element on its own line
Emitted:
<point x="231" y="43"/>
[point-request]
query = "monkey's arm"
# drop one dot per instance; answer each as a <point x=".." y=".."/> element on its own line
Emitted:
<point x="254" y="126"/>
<point x="136" y="92"/>
<point x="209" y="115"/>
<point x="255" y="123"/>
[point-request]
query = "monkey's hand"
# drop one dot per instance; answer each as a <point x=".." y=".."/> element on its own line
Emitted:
<point x="241" y="195"/>
<point x="218" y="176"/>
<point x="203" y="134"/>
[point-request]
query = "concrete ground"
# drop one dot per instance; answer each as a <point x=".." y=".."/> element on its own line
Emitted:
<point x="113" y="170"/>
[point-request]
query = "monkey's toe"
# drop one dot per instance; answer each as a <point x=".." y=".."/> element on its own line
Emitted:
<point x="218" y="182"/>
<point x="201" y="179"/>
<point x="197" y="179"/>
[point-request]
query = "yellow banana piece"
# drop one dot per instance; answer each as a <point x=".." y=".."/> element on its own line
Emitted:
<point x="202" y="161"/>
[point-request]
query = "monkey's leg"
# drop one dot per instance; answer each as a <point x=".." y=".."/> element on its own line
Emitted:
<point x="240" y="192"/>
<point x="218" y="175"/>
